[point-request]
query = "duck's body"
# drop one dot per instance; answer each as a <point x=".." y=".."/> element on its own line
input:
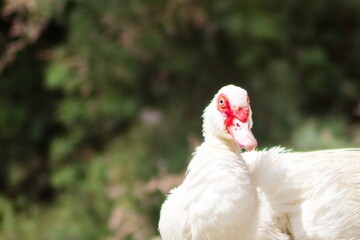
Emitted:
<point x="327" y="184"/>
<point x="272" y="195"/>
<point x="209" y="205"/>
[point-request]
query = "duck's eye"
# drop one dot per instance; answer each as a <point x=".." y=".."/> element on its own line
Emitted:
<point x="221" y="102"/>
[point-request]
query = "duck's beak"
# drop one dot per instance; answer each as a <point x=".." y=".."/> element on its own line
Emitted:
<point x="242" y="135"/>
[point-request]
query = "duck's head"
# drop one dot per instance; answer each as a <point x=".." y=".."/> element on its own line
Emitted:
<point x="228" y="117"/>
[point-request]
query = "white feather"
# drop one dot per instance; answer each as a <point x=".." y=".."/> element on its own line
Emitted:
<point x="327" y="185"/>
<point x="273" y="194"/>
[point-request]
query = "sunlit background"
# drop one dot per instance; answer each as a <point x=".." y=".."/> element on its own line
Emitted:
<point x="100" y="101"/>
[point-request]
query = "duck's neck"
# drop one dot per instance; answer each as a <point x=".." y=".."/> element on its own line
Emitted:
<point x="218" y="171"/>
<point x="216" y="152"/>
<point x="223" y="143"/>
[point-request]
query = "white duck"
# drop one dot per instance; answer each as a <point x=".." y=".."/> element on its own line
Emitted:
<point x="260" y="195"/>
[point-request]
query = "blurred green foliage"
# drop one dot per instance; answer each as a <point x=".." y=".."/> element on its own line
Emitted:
<point x="100" y="101"/>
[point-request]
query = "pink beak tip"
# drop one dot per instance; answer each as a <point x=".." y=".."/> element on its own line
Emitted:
<point x="250" y="146"/>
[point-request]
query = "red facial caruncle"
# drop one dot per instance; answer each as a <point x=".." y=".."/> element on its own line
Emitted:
<point x="241" y="113"/>
<point x="236" y="122"/>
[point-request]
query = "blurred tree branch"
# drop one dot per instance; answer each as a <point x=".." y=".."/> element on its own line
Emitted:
<point x="25" y="20"/>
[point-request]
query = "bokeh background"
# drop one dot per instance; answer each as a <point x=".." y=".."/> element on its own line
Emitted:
<point x="100" y="101"/>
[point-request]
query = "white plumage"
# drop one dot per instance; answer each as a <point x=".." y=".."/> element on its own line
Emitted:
<point x="326" y="185"/>
<point x="272" y="194"/>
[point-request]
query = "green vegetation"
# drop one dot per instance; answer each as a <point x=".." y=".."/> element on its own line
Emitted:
<point x="100" y="101"/>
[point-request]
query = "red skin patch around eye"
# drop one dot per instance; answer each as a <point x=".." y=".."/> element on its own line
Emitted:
<point x="242" y="113"/>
